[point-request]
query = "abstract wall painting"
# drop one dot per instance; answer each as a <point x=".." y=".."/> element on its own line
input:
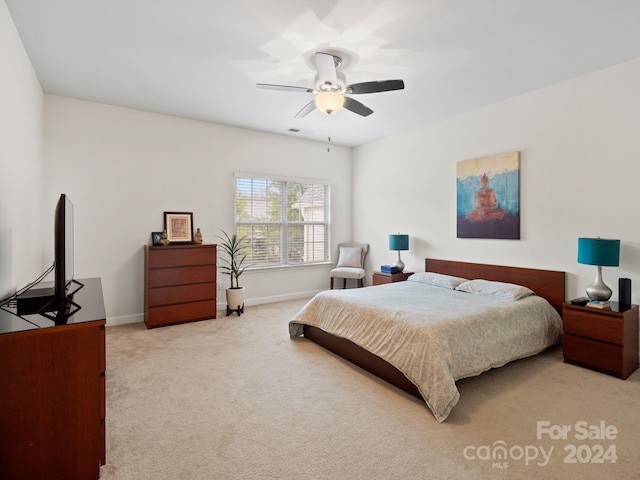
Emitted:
<point x="488" y="191"/>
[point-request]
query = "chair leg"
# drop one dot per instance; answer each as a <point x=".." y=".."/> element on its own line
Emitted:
<point x="344" y="284"/>
<point x="359" y="283"/>
<point x="331" y="283"/>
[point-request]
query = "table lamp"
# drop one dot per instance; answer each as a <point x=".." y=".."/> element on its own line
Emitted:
<point x="601" y="252"/>
<point x="399" y="242"/>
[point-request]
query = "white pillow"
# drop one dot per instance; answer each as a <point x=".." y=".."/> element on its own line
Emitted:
<point x="438" y="279"/>
<point x="488" y="288"/>
<point x="350" y="257"/>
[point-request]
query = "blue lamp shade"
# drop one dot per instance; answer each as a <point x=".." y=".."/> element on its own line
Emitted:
<point x="399" y="242"/>
<point x="599" y="251"/>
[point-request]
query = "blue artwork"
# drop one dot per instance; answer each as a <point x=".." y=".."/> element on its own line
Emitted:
<point x="488" y="197"/>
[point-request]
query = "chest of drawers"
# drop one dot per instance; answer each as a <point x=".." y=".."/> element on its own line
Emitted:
<point x="179" y="284"/>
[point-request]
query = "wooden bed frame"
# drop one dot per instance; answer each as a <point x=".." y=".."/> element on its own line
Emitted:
<point x="548" y="284"/>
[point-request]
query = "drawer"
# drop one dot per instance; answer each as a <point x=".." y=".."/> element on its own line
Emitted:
<point x="181" y="294"/>
<point x="161" y="257"/>
<point x="166" y="277"/>
<point x="599" y="355"/>
<point x="184" y="312"/>
<point x="381" y="279"/>
<point x="596" y="325"/>
<point x="103" y="396"/>
<point x="103" y="350"/>
<point x="103" y="442"/>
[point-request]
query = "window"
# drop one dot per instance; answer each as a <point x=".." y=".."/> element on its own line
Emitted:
<point x="285" y="222"/>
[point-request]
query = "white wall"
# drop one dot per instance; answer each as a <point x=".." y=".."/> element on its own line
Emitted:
<point x="580" y="164"/>
<point x="123" y="168"/>
<point x="20" y="162"/>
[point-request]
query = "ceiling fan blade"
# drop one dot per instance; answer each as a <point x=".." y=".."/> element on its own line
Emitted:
<point x="356" y="107"/>
<point x="284" y="88"/>
<point x="308" y="108"/>
<point x="326" y="68"/>
<point x="374" y="87"/>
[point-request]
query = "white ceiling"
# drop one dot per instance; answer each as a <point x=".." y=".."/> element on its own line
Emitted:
<point x="201" y="59"/>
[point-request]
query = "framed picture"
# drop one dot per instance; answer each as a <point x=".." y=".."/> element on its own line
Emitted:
<point x="488" y="197"/>
<point x="155" y="238"/>
<point x="179" y="227"/>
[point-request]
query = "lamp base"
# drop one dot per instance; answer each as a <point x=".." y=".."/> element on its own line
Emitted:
<point x="598" y="291"/>
<point x="399" y="263"/>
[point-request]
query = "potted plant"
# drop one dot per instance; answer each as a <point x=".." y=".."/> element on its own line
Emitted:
<point x="233" y="265"/>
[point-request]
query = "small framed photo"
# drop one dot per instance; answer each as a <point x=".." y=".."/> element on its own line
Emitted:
<point x="155" y="238"/>
<point x="179" y="227"/>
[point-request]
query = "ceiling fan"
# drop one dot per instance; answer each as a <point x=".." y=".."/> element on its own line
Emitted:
<point x="331" y="88"/>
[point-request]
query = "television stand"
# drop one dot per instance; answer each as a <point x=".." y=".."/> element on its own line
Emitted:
<point x="52" y="397"/>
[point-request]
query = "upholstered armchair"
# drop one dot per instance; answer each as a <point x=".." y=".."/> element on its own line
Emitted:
<point x="350" y="263"/>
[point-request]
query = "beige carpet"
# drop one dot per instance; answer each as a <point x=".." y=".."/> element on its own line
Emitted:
<point x="235" y="398"/>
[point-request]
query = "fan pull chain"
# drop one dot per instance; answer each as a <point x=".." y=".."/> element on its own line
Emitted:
<point x="329" y="137"/>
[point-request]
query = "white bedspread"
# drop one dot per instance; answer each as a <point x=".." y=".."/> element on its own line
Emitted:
<point x="434" y="335"/>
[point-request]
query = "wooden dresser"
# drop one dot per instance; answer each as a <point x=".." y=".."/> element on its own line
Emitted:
<point x="179" y="284"/>
<point x="52" y="391"/>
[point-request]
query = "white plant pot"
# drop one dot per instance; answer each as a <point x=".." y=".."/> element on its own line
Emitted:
<point x="235" y="300"/>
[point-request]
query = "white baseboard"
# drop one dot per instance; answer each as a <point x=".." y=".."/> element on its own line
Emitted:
<point x="113" y="321"/>
<point x="273" y="299"/>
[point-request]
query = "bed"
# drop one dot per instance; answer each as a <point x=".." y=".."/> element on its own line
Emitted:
<point x="422" y="336"/>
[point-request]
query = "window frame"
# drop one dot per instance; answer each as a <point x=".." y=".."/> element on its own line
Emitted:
<point x="284" y="224"/>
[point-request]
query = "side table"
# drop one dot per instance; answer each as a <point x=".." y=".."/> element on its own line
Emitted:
<point x="380" y="278"/>
<point x="602" y="340"/>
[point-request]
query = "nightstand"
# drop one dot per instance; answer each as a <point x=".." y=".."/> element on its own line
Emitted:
<point x="602" y="340"/>
<point x="380" y="278"/>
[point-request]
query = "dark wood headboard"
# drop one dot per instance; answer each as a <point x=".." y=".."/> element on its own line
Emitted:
<point x="549" y="284"/>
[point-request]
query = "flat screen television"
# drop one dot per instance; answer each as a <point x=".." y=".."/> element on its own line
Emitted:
<point x="56" y="303"/>
<point x="63" y="248"/>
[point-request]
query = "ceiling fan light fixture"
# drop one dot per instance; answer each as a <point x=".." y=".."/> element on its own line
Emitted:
<point x="331" y="90"/>
<point x="329" y="101"/>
